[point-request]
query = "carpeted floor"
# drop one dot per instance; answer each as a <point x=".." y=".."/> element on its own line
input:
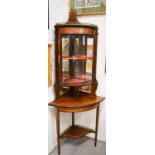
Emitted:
<point x="82" y="146"/>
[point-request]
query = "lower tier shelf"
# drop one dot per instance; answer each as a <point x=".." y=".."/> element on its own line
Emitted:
<point x="76" y="132"/>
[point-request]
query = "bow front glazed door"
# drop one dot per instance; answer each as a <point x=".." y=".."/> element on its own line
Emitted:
<point x="77" y="59"/>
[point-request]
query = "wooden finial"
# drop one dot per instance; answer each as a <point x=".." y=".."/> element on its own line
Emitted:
<point x="72" y="18"/>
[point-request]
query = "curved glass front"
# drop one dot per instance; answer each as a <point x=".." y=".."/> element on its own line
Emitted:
<point x="77" y="58"/>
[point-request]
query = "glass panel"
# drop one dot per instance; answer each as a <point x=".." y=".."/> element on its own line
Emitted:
<point x="77" y="58"/>
<point x="90" y="43"/>
<point x="65" y="53"/>
<point x="65" y="46"/>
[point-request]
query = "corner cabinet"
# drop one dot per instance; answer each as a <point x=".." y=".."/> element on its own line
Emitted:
<point x="76" y="46"/>
<point x="75" y="70"/>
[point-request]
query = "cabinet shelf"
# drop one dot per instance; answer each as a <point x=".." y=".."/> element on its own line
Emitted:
<point x="84" y="76"/>
<point x="78" y="57"/>
<point x="76" y="132"/>
<point x="80" y="78"/>
<point x="74" y="80"/>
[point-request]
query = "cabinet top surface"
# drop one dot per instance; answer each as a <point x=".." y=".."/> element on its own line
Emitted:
<point x="76" y="101"/>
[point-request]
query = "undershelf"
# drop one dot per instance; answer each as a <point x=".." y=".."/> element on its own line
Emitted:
<point x="76" y="132"/>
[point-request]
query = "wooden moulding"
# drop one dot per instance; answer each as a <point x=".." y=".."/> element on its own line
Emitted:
<point x="49" y="65"/>
<point x="76" y="30"/>
<point x="81" y="109"/>
<point x="76" y="131"/>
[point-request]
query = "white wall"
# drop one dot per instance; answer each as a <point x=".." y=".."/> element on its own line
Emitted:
<point x="59" y="13"/>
